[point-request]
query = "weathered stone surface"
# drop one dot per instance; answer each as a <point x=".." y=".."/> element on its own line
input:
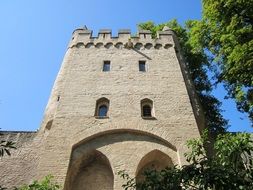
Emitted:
<point x="20" y="167"/>
<point x="82" y="151"/>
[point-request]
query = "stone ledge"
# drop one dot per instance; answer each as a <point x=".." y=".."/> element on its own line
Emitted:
<point x="101" y="117"/>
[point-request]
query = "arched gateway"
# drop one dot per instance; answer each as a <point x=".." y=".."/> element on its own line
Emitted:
<point x="97" y="159"/>
<point x="91" y="171"/>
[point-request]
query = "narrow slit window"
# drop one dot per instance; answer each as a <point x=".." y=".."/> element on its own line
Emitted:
<point x="142" y="66"/>
<point x="106" y="66"/>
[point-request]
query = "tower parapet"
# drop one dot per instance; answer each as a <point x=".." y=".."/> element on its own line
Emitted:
<point x="143" y="39"/>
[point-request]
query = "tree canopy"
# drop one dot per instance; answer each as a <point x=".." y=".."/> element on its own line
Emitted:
<point x="226" y="32"/>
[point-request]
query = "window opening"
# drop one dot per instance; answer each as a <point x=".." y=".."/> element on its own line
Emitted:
<point x="142" y="66"/>
<point x="102" y="108"/>
<point x="146" y="111"/>
<point x="102" y="111"/>
<point x="106" y="66"/>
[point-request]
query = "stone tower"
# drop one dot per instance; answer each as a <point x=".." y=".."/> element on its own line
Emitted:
<point x="118" y="103"/>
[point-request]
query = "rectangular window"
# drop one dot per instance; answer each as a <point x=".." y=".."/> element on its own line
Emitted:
<point x="142" y="66"/>
<point x="106" y="66"/>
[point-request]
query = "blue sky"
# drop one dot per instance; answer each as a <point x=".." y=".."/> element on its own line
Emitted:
<point x="34" y="36"/>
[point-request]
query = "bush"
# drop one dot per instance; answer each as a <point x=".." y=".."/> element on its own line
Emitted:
<point x="45" y="184"/>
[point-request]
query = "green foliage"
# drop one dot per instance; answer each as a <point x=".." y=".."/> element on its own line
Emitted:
<point x="198" y="64"/>
<point x="5" y="147"/>
<point x="169" y="178"/>
<point x="229" y="168"/>
<point x="45" y="184"/>
<point x="130" y="182"/>
<point x="227" y="32"/>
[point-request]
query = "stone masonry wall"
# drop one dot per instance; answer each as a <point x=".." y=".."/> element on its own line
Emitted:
<point x="20" y="167"/>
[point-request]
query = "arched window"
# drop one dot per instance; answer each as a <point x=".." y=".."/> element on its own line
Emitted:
<point x="147" y="110"/>
<point x="102" y="108"/>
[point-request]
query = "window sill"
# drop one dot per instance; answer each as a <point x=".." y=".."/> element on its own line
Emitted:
<point x="148" y="118"/>
<point x="101" y="117"/>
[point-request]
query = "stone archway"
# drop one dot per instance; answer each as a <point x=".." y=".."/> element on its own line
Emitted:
<point x="91" y="172"/>
<point x="153" y="160"/>
<point x="110" y="152"/>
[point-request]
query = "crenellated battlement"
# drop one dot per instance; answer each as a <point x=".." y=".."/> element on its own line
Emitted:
<point x="124" y="39"/>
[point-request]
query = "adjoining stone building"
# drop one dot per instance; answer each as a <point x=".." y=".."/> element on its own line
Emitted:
<point x="118" y="103"/>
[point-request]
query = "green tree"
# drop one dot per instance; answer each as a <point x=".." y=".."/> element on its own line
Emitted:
<point x="226" y="31"/>
<point x="229" y="168"/>
<point x="198" y="64"/>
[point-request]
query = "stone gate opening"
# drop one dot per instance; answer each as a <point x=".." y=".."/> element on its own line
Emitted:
<point x="91" y="172"/>
<point x="153" y="160"/>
